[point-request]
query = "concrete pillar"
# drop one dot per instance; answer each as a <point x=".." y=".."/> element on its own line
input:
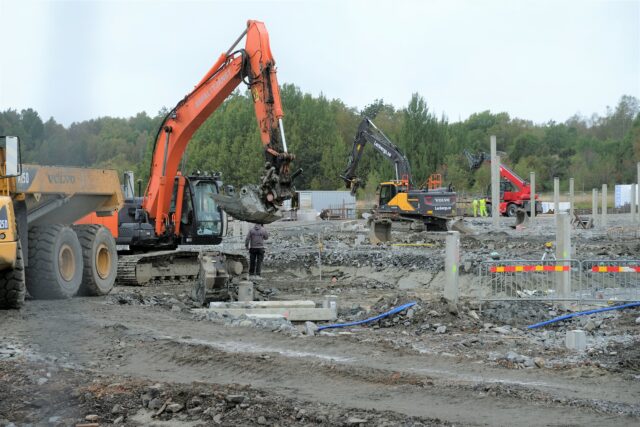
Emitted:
<point x="638" y="187"/>
<point x="451" y="262"/>
<point x="571" y="198"/>
<point x="532" y="183"/>
<point x="495" y="185"/>
<point x="603" y="217"/>
<point x="563" y="251"/>
<point x="556" y="195"/>
<point x="632" y="202"/>
<point x="594" y="206"/>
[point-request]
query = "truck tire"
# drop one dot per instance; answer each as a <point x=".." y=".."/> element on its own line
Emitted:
<point x="511" y="210"/>
<point x="12" y="284"/>
<point x="55" y="262"/>
<point x="100" y="259"/>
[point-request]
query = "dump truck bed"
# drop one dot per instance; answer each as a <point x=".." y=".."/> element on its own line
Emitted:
<point x="63" y="195"/>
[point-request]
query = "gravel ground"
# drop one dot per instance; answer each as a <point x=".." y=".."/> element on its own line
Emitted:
<point x="140" y="356"/>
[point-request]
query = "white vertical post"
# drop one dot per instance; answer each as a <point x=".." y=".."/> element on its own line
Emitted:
<point x="594" y="206"/>
<point x="532" y="184"/>
<point x="556" y="196"/>
<point x="563" y="251"/>
<point x="638" y="190"/>
<point x="603" y="219"/>
<point x="495" y="184"/>
<point x="451" y="262"/>
<point x="632" y="203"/>
<point x="571" y="199"/>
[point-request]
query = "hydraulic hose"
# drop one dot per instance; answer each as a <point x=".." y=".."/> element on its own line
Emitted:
<point x="371" y="319"/>
<point x="584" y="313"/>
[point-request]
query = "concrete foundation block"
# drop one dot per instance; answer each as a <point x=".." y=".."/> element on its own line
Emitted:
<point x="292" y="314"/>
<point x="264" y="304"/>
<point x="245" y="291"/>
<point x="576" y="340"/>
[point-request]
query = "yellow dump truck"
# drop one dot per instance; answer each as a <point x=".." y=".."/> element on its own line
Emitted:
<point x="40" y="249"/>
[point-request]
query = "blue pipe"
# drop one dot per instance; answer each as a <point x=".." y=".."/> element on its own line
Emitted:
<point x="371" y="319"/>
<point x="584" y="313"/>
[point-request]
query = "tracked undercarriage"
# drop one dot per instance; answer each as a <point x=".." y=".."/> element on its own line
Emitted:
<point x="208" y="271"/>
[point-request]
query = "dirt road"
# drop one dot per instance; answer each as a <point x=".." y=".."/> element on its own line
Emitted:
<point x="155" y="344"/>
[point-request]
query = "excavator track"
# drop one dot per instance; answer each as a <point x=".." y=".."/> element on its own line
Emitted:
<point x="167" y="267"/>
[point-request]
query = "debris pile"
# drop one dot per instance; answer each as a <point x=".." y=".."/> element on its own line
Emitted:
<point x="73" y="397"/>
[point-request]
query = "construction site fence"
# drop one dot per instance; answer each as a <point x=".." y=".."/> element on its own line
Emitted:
<point x="559" y="280"/>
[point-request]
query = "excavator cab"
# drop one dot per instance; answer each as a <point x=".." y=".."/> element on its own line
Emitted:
<point x="202" y="221"/>
<point x="386" y="192"/>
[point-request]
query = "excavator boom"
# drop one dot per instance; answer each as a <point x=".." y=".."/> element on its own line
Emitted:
<point x="369" y="133"/>
<point x="254" y="65"/>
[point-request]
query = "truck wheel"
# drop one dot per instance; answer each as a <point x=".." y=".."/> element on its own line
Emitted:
<point x="100" y="259"/>
<point x="12" y="287"/>
<point x="55" y="262"/>
<point x="511" y="210"/>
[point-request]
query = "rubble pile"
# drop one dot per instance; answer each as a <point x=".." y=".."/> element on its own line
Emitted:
<point x="76" y="397"/>
<point x="279" y="325"/>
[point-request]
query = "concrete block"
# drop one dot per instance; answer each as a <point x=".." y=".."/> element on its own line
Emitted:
<point x="245" y="291"/>
<point x="264" y="304"/>
<point x="576" y="340"/>
<point x="292" y="314"/>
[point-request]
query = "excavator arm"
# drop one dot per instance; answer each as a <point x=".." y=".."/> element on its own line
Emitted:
<point x="476" y="160"/>
<point x="369" y="133"/>
<point x="254" y="65"/>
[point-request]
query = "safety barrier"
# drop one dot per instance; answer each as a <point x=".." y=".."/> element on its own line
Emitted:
<point x="617" y="280"/>
<point x="561" y="280"/>
<point x="528" y="279"/>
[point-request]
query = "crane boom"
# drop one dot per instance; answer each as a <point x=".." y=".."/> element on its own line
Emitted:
<point x="515" y="192"/>
<point x="255" y="66"/>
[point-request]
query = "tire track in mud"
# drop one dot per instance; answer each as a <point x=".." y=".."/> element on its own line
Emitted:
<point x="317" y="369"/>
<point x="367" y="387"/>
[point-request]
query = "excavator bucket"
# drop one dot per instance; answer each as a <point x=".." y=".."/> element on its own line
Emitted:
<point x="248" y="205"/>
<point x="522" y="219"/>
<point x="380" y="231"/>
<point x="458" y="225"/>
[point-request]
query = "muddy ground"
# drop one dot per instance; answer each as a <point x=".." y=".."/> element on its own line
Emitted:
<point x="140" y="356"/>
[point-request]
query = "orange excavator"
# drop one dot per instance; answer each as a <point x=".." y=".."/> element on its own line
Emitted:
<point x="191" y="210"/>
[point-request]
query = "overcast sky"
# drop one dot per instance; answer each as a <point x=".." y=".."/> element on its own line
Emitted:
<point x="539" y="60"/>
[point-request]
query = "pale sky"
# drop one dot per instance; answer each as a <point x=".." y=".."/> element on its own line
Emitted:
<point x="538" y="60"/>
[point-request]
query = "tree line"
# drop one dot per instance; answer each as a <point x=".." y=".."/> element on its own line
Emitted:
<point x="593" y="150"/>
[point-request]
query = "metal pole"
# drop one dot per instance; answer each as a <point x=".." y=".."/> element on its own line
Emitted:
<point x="284" y="141"/>
<point x="235" y="43"/>
<point x="167" y="130"/>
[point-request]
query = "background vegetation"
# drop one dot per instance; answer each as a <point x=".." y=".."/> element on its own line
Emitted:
<point x="594" y="150"/>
